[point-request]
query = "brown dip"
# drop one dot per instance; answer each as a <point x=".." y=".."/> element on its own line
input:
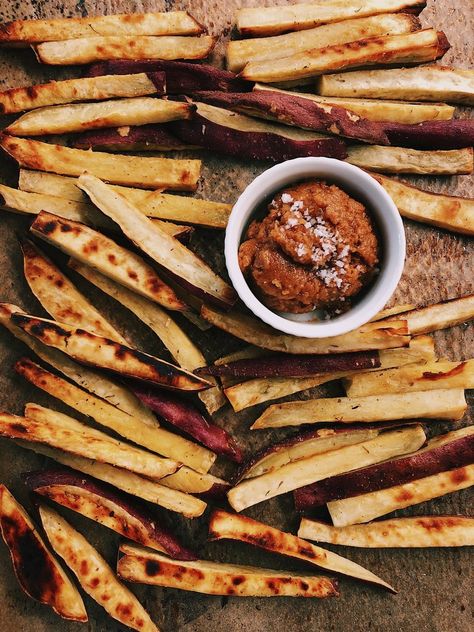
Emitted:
<point x="315" y="249"/>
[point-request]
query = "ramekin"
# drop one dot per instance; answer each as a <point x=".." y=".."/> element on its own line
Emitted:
<point x="355" y="182"/>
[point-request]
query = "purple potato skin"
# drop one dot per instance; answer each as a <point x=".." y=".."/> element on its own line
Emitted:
<point x="84" y="485"/>
<point x="253" y="145"/>
<point x="184" y="416"/>
<point x="180" y="77"/>
<point x="454" y="134"/>
<point x="137" y="138"/>
<point x="280" y="365"/>
<point x="455" y="454"/>
<point x="300" y="112"/>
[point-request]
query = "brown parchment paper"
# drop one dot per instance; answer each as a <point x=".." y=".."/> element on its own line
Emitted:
<point x="435" y="586"/>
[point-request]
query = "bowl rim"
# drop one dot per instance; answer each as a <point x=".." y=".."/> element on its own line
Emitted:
<point x="383" y="210"/>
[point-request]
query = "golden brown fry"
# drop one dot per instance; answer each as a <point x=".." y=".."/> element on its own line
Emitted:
<point x="456" y="311"/>
<point x="48" y="584"/>
<point x="240" y="52"/>
<point x="421" y="531"/>
<point x="60" y="297"/>
<point x="178" y="343"/>
<point x="179" y="261"/>
<point x="25" y="32"/>
<point x="212" y="578"/>
<point x="70" y="90"/>
<point x="94" y="574"/>
<point x="152" y="203"/>
<point x="88" y="49"/>
<point x="124" y="480"/>
<point x="151" y="437"/>
<point x="96" y="250"/>
<point x="139" y="171"/>
<point x="62" y="119"/>
<point x="48" y="426"/>
<point x="403" y="160"/>
<point x="253" y="331"/>
<point x="445" y="211"/>
<point x="417" y="47"/>
<point x="374" y="504"/>
<point x="278" y="19"/>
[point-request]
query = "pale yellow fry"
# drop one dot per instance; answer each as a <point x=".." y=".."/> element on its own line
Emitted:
<point x="62" y="119"/>
<point x="88" y="49"/>
<point x="437" y="404"/>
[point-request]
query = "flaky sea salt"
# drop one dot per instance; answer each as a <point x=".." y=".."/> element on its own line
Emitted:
<point x="286" y="198"/>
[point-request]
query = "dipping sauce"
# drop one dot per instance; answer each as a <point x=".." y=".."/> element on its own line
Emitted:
<point x="315" y="249"/>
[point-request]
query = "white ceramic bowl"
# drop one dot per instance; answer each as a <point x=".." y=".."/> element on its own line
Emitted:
<point x="355" y="182"/>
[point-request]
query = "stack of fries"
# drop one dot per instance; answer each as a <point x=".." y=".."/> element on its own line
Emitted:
<point x="377" y="459"/>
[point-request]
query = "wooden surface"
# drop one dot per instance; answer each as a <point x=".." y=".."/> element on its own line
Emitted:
<point x="435" y="586"/>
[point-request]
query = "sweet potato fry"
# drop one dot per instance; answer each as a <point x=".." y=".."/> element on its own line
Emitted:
<point x="70" y="435"/>
<point x="420" y="531"/>
<point x="258" y="390"/>
<point x="437" y="404"/>
<point x="445" y="211"/>
<point x="25" y="32"/>
<point x="302" y="446"/>
<point x="442" y="453"/>
<point x="81" y="89"/>
<point x="90" y="349"/>
<point x="212" y="578"/>
<point x="227" y="526"/>
<point x="94" y="382"/>
<point x="441" y="315"/>
<point x="377" y="109"/>
<point x="407" y="48"/>
<point x="374" y="504"/>
<point x="274" y="20"/>
<point x="178" y="343"/>
<point x="408" y="379"/>
<point x="187" y="269"/>
<point x="280" y="365"/>
<point x="77" y="117"/>
<point x="96" y="250"/>
<point x="394" y="311"/>
<point x="33" y="203"/>
<point x="240" y="52"/>
<point x="298" y="112"/>
<point x="191" y="482"/>
<point x="60" y="297"/>
<point x="400" y="160"/>
<point x="152" y="437"/>
<point x="122" y="139"/>
<point x="101" y="503"/>
<point x="246" y="137"/>
<point x="126" y="481"/>
<point x="88" y="49"/>
<point x="37" y="570"/>
<point x="152" y="203"/>
<point x="454" y="134"/>
<point x="419" y="83"/>
<point x="181" y="77"/>
<point x="190" y="421"/>
<point x="94" y="574"/>
<point x="387" y="445"/>
<point x="138" y="171"/>
<point x="371" y="336"/>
